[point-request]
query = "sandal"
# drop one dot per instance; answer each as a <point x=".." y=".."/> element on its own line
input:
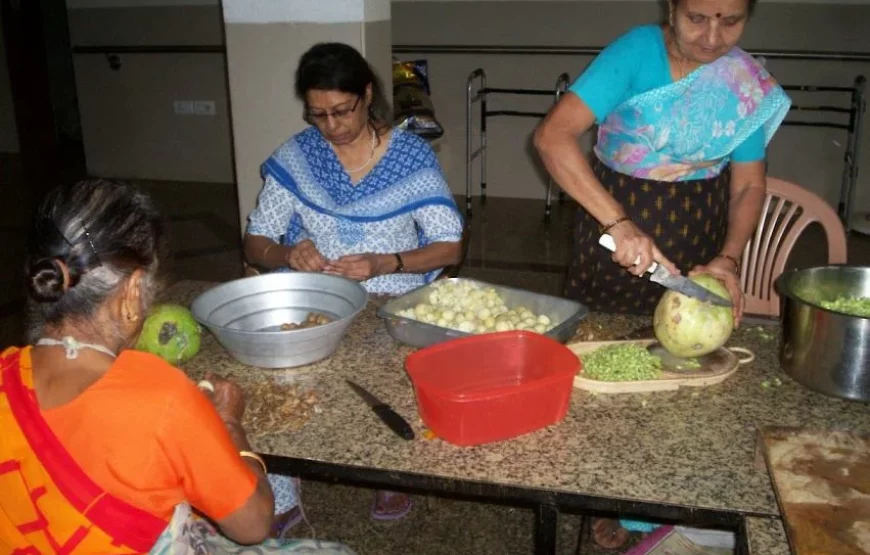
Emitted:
<point x="284" y="523"/>
<point x="608" y="533"/>
<point x="380" y="510"/>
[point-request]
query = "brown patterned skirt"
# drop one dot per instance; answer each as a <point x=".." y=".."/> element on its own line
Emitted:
<point x="687" y="220"/>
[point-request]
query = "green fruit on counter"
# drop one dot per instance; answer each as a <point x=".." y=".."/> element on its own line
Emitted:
<point x="170" y="332"/>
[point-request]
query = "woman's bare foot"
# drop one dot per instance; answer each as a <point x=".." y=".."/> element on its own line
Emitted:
<point x="608" y="533"/>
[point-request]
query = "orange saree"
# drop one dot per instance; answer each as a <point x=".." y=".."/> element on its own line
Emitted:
<point x="48" y="505"/>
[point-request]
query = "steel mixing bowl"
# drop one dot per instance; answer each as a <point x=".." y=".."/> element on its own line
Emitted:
<point x="824" y="350"/>
<point x="246" y="315"/>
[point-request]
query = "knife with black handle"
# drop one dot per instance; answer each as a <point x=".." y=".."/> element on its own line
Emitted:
<point x="387" y="415"/>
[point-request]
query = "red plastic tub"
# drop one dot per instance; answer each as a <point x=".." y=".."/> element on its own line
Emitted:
<point x="492" y="387"/>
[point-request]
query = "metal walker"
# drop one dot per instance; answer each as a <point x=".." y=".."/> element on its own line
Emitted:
<point x="477" y="91"/>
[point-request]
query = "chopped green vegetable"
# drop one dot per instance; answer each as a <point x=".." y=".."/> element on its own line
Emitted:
<point x="853" y="306"/>
<point x="689" y="364"/>
<point x="763" y="333"/>
<point x="777" y="382"/>
<point x="621" y="363"/>
<point x="765" y="384"/>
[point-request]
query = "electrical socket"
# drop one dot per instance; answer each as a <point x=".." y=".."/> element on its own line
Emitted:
<point x="183" y="107"/>
<point x="204" y="108"/>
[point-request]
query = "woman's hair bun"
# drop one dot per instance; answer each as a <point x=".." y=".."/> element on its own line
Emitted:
<point x="46" y="280"/>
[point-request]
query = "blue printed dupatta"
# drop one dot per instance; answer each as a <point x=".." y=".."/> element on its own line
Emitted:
<point x="406" y="179"/>
<point x="688" y="129"/>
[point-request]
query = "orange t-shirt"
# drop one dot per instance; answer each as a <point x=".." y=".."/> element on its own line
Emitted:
<point x="147" y="435"/>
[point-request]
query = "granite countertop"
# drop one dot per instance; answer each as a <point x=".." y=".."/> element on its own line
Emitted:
<point x="766" y="536"/>
<point x="694" y="447"/>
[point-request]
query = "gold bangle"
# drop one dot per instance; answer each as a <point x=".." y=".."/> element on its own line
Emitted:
<point x="614" y="223"/>
<point x="265" y="252"/>
<point x="732" y="259"/>
<point x="256" y="457"/>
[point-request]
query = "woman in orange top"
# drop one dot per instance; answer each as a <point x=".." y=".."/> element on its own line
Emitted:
<point x="105" y="449"/>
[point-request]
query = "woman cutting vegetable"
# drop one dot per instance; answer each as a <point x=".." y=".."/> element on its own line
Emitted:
<point x="678" y="175"/>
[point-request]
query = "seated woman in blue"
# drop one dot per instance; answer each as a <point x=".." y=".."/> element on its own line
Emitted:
<point x="678" y="175"/>
<point x="352" y="196"/>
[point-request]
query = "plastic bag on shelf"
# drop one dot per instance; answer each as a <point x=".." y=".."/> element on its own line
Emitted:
<point x="412" y="106"/>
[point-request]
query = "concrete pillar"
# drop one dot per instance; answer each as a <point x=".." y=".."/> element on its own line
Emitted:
<point x="264" y="41"/>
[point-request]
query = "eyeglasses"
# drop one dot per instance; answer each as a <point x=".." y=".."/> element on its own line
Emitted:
<point x="322" y="117"/>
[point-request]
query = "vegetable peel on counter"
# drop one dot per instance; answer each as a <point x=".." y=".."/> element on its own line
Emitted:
<point x="465" y="307"/>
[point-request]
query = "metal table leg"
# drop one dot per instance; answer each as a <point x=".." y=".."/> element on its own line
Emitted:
<point x="546" y="529"/>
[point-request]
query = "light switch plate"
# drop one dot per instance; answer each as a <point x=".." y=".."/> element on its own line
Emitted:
<point x="204" y="108"/>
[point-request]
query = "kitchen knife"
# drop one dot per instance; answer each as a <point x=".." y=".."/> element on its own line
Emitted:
<point x="680" y="284"/>
<point x="384" y="412"/>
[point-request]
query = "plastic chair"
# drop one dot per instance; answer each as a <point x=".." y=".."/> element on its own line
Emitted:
<point x="786" y="213"/>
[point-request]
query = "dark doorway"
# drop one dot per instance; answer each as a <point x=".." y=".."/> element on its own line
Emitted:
<point x="40" y="60"/>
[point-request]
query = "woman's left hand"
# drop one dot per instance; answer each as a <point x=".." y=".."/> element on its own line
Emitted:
<point x="359" y="267"/>
<point x="725" y="271"/>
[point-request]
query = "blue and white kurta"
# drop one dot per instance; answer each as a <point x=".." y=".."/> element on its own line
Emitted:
<point x="402" y="204"/>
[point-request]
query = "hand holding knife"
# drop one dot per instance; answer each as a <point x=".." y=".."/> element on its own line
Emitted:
<point x="680" y="284"/>
<point x="389" y="417"/>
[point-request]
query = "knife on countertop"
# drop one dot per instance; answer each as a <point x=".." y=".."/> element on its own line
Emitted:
<point x="680" y="284"/>
<point x="389" y="417"/>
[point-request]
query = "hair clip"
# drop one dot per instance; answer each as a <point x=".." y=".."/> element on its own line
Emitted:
<point x="59" y="232"/>
<point x="91" y="243"/>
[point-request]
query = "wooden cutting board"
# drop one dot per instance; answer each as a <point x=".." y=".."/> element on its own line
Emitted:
<point x="822" y="483"/>
<point x="714" y="368"/>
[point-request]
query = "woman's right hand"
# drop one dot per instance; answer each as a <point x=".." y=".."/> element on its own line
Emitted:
<point x="304" y="257"/>
<point x="636" y="251"/>
<point x="228" y="399"/>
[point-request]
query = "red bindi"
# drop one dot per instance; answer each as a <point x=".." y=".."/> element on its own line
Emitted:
<point x="718" y="16"/>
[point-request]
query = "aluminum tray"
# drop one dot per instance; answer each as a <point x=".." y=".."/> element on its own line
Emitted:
<point x="566" y="314"/>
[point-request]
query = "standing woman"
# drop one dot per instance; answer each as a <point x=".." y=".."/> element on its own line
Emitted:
<point x="678" y="174"/>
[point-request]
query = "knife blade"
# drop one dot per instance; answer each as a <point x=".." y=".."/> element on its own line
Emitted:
<point x="387" y="415"/>
<point x="680" y="284"/>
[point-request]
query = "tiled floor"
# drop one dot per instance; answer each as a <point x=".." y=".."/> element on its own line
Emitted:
<point x="511" y="245"/>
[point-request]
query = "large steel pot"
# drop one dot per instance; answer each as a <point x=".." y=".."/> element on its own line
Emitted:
<point x="824" y="350"/>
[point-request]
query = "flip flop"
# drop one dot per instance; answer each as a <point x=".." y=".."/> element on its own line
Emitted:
<point x="285" y="523"/>
<point x="387" y="495"/>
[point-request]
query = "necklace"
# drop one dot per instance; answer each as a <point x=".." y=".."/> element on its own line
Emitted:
<point x="72" y="346"/>
<point x="673" y="51"/>
<point x="371" y="155"/>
